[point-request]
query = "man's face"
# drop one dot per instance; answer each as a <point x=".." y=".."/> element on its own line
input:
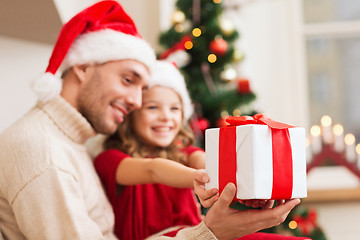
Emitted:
<point x="110" y="91"/>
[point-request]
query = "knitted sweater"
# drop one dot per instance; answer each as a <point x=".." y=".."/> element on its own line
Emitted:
<point x="48" y="186"/>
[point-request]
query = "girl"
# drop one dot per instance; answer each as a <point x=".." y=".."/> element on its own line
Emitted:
<point x="135" y="164"/>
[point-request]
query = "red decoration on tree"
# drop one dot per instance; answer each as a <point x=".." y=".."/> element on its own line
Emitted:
<point x="218" y="46"/>
<point x="306" y="224"/>
<point x="199" y="124"/>
<point x="243" y="86"/>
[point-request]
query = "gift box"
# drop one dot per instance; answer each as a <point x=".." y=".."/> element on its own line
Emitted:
<point x="265" y="159"/>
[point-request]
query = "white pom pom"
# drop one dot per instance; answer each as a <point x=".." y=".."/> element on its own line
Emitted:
<point x="180" y="57"/>
<point x="47" y="87"/>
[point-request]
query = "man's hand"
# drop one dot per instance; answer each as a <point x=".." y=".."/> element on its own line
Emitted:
<point x="227" y="223"/>
<point x="255" y="203"/>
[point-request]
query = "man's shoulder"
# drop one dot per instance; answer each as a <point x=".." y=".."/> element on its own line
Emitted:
<point x="28" y="139"/>
<point x="24" y="152"/>
<point x="27" y="130"/>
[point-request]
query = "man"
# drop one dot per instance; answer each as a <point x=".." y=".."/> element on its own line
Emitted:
<point x="48" y="186"/>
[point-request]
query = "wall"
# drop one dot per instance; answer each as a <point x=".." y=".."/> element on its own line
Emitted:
<point x="146" y="15"/>
<point x="20" y="62"/>
<point x="339" y="220"/>
<point x="270" y="40"/>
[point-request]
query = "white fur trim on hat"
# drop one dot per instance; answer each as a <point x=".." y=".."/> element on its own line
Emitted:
<point x="108" y="45"/>
<point x="180" y="57"/>
<point x="95" y="47"/>
<point x="47" y="87"/>
<point x="167" y="75"/>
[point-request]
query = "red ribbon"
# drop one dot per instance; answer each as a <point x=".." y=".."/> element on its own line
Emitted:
<point x="282" y="154"/>
<point x="256" y="119"/>
<point x="227" y="156"/>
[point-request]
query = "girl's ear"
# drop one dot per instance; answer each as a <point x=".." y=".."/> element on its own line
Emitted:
<point x="80" y="71"/>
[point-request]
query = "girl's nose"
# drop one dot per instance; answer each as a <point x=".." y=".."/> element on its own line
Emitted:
<point x="165" y="114"/>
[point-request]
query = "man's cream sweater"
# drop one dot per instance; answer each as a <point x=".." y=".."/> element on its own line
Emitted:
<point x="48" y="186"/>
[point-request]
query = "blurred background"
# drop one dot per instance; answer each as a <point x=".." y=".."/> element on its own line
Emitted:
<point x="297" y="61"/>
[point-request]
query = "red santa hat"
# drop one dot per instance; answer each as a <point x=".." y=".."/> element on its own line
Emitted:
<point x="166" y="74"/>
<point x="100" y="33"/>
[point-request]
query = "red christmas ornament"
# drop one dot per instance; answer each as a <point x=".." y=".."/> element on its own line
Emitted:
<point x="243" y="86"/>
<point x="218" y="46"/>
<point x="306" y="224"/>
<point x="200" y="124"/>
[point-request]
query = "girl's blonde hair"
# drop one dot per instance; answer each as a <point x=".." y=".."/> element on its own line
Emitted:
<point x="126" y="140"/>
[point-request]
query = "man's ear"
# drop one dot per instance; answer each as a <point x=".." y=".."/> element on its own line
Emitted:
<point x="80" y="71"/>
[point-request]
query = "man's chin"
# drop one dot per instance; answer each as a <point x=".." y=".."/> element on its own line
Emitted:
<point x="108" y="130"/>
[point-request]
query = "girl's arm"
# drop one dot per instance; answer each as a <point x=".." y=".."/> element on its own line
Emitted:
<point x="197" y="160"/>
<point x="132" y="171"/>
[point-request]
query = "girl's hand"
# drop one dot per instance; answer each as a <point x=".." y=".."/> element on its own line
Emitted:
<point x="207" y="197"/>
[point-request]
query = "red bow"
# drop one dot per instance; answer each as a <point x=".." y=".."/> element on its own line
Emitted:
<point x="256" y="119"/>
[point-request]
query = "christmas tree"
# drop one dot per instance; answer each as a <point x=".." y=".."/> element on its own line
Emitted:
<point x="201" y="41"/>
<point x="301" y="222"/>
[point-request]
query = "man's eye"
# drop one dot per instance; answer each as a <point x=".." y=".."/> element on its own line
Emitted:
<point x="127" y="80"/>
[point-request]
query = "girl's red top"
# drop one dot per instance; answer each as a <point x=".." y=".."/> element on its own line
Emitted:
<point x="143" y="210"/>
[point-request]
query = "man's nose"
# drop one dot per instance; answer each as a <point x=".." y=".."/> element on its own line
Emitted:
<point x="134" y="98"/>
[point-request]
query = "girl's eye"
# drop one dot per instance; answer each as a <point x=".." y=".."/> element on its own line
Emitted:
<point x="151" y="107"/>
<point x="175" y="108"/>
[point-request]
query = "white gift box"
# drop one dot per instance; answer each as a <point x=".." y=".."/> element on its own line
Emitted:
<point x="254" y="164"/>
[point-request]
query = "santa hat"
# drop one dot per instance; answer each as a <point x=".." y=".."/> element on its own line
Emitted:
<point x="102" y="32"/>
<point x="177" y="53"/>
<point x="166" y="74"/>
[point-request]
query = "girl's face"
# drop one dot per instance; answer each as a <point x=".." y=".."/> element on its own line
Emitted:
<point x="159" y="119"/>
